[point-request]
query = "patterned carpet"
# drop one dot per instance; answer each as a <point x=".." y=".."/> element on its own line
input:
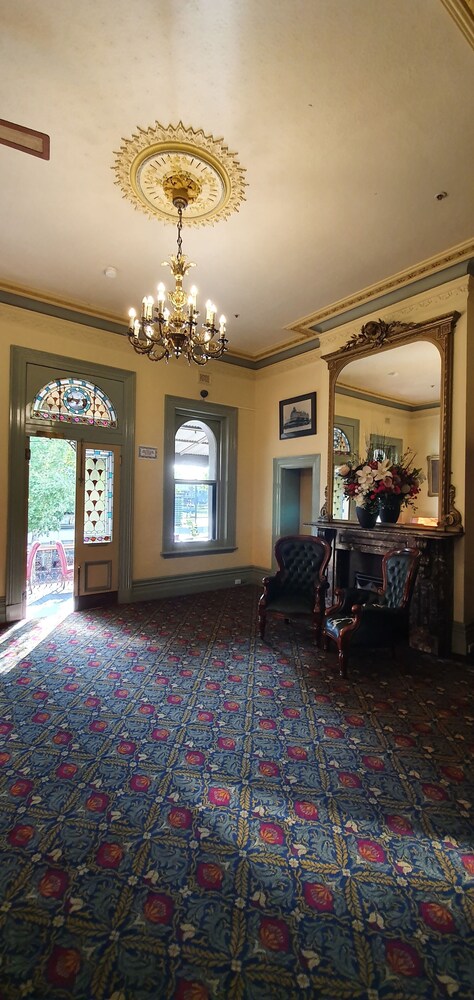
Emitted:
<point x="188" y="813"/>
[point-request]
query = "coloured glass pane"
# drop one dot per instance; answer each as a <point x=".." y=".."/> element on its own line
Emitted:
<point x="341" y="442"/>
<point x="98" y="496"/>
<point x="74" y="401"/>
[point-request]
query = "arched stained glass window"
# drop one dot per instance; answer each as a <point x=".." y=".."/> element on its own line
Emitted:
<point x="341" y="442"/>
<point x="74" y="401"/>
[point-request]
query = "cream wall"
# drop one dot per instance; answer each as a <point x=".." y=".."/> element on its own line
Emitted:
<point x="230" y="385"/>
<point x="295" y="377"/>
<point x="257" y="396"/>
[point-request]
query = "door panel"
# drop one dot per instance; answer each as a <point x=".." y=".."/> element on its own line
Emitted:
<point x="97" y="523"/>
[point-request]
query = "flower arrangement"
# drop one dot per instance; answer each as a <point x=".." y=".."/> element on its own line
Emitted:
<point x="374" y="479"/>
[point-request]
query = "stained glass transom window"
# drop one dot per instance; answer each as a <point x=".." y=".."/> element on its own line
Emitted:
<point x="341" y="442"/>
<point x="74" y="401"/>
<point x="98" y="496"/>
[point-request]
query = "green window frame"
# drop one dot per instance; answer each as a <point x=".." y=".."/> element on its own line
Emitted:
<point x="222" y="422"/>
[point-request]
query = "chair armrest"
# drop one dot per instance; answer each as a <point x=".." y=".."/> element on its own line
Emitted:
<point x="349" y="597"/>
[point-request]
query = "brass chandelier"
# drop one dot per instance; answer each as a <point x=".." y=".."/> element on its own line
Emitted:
<point x="160" y="332"/>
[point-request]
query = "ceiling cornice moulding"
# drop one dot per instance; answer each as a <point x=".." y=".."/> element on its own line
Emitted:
<point x="310" y="325"/>
<point x="462" y="12"/>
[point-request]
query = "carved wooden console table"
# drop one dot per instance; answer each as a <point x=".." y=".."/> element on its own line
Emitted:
<point x="357" y="554"/>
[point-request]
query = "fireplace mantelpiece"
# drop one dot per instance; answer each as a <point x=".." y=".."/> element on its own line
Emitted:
<point x="360" y="550"/>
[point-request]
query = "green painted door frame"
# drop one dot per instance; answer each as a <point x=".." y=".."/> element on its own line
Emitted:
<point x="29" y="370"/>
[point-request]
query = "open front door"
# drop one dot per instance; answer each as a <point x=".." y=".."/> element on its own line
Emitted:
<point x="97" y="524"/>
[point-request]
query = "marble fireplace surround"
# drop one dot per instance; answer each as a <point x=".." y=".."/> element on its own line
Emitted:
<point x="357" y="551"/>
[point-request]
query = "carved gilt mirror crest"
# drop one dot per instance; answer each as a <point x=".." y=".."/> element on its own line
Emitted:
<point x="390" y="389"/>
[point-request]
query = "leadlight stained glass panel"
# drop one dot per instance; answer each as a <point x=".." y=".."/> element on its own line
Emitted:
<point x="98" y="496"/>
<point x="74" y="401"/>
<point x="341" y="442"/>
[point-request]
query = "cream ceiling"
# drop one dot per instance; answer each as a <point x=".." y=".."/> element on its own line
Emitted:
<point x="348" y="116"/>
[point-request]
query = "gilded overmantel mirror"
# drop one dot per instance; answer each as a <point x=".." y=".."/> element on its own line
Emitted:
<point x="390" y="389"/>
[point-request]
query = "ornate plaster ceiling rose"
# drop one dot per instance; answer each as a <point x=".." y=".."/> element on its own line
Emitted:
<point x="156" y="161"/>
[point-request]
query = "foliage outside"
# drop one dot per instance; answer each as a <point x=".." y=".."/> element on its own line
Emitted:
<point x="52" y="485"/>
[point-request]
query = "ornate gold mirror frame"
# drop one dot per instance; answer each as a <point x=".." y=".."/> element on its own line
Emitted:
<point x="379" y="336"/>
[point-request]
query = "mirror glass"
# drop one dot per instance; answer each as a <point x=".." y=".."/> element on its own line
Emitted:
<point x="391" y="400"/>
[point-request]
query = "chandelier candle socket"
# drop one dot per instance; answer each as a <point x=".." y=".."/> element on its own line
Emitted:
<point x="160" y="332"/>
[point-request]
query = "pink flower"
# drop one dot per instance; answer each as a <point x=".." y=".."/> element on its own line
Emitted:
<point x="126" y="747"/>
<point x="226" y="743"/>
<point x="205" y="716"/>
<point x="306" y="810"/>
<point x="97" y="802"/>
<point x="180" y="818"/>
<point x="274" y="934"/>
<point x="400" y="825"/>
<point x="63" y="966"/>
<point x="160" y="734"/>
<point x="219" y="796"/>
<point x="291" y="713"/>
<point x="269" y="768"/>
<point x="53" y="883"/>
<point x="297" y="753"/>
<point x="369" y="850"/>
<point x="20" y="835"/>
<point x="98" y="726"/>
<point x="272" y="833"/>
<point x="195" y="757"/>
<point x="231" y="706"/>
<point x="318" y="897"/>
<point x="21" y="787"/>
<point x="158" y="908"/>
<point x="140" y="783"/>
<point x="66" y="770"/>
<point x="403" y="959"/>
<point x="267" y="724"/>
<point x="438" y="917"/>
<point x="109" y="855"/>
<point x="146" y="709"/>
<point x="209" y="875"/>
<point x="62" y="738"/>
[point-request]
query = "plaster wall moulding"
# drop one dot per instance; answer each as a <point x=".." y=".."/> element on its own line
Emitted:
<point x="156" y="161"/>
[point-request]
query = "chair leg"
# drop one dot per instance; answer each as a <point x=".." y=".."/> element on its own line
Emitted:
<point x="342" y="657"/>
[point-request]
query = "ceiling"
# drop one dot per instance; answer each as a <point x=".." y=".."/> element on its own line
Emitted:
<point x="409" y="374"/>
<point x="348" y="117"/>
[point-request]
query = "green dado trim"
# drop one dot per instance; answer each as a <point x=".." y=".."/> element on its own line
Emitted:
<point x="3" y="609"/>
<point x="194" y="583"/>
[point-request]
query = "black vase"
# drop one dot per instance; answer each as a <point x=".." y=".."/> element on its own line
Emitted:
<point x="389" y="507"/>
<point x="366" y="516"/>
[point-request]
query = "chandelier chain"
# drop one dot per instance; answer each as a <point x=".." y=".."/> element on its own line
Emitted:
<point x="180" y="226"/>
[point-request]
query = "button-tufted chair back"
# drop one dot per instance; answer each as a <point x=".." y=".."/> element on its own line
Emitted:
<point x="300" y="558"/>
<point x="399" y="569"/>
<point x="299" y="586"/>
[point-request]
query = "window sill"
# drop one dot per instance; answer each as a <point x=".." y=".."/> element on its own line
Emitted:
<point x="208" y="550"/>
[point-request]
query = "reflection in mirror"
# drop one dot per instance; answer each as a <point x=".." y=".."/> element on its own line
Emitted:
<point x="389" y="401"/>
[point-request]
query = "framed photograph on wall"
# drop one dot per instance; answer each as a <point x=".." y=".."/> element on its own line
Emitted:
<point x="433" y="475"/>
<point x="298" y="416"/>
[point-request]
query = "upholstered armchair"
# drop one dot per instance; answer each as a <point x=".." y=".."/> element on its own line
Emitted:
<point x="367" y="618"/>
<point x="298" y="588"/>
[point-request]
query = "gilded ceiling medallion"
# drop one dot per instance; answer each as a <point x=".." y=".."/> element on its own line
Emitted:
<point x="157" y="161"/>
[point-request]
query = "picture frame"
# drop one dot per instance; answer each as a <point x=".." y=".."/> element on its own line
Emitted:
<point x="433" y="475"/>
<point x="298" y="416"/>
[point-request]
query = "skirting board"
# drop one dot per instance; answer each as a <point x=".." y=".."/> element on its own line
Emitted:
<point x="3" y="609"/>
<point x="193" y="583"/>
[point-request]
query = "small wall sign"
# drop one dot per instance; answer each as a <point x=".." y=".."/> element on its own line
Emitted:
<point x="145" y="452"/>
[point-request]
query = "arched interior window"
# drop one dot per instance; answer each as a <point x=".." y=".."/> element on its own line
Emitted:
<point x="195" y="482"/>
<point x="342" y="444"/>
<point x="74" y="401"/>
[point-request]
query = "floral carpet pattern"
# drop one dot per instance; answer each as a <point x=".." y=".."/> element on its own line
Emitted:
<point x="189" y="813"/>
